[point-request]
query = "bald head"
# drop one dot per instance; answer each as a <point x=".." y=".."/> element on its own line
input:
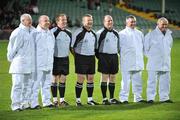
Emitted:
<point x="162" y="24"/>
<point x="44" y="22"/>
<point x="108" y="22"/>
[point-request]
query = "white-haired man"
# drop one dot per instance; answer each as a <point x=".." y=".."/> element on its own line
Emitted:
<point x="44" y="50"/>
<point x="21" y="55"/>
<point x="157" y="45"/>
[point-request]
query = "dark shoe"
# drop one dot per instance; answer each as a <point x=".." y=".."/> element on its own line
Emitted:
<point x="28" y="108"/>
<point x="36" y="107"/>
<point x="92" y="103"/>
<point x="167" y="101"/>
<point x="142" y="101"/>
<point x="78" y="104"/>
<point x="55" y="103"/>
<point x="63" y="104"/>
<point x="114" y="101"/>
<point x="125" y="102"/>
<point x="106" y="102"/>
<point x="49" y="106"/>
<point x="150" y="101"/>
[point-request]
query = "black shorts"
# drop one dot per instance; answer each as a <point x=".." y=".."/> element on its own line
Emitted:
<point x="108" y="63"/>
<point x="61" y="66"/>
<point x="84" y="64"/>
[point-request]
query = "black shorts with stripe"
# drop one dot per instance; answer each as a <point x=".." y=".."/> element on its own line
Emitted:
<point x="84" y="64"/>
<point x="61" y="66"/>
<point x="108" y="63"/>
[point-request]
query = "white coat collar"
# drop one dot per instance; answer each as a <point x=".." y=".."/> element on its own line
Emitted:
<point x="41" y="30"/>
<point x="130" y="29"/>
<point x="167" y="31"/>
<point x="25" y="28"/>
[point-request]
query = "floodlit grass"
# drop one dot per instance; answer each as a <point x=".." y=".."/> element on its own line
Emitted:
<point x="132" y="111"/>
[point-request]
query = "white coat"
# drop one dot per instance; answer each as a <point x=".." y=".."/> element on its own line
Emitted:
<point x="21" y="50"/>
<point x="44" y="49"/>
<point x="44" y="43"/>
<point x="131" y="49"/>
<point x="158" y="50"/>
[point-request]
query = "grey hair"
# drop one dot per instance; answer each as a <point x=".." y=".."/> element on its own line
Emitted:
<point x="162" y="19"/>
<point x="25" y="15"/>
<point x="42" y="17"/>
<point x="130" y="16"/>
<point x="107" y="16"/>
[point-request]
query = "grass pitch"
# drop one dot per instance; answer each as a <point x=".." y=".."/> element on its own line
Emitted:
<point x="132" y="111"/>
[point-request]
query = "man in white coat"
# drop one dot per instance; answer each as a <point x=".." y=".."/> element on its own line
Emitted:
<point x="21" y="55"/>
<point x="158" y="44"/>
<point x="131" y="60"/>
<point x="44" y="50"/>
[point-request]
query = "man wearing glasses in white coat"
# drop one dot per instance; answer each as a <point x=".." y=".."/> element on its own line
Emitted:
<point x="158" y="44"/>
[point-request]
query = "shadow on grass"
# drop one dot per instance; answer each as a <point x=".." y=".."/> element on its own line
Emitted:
<point x="130" y="106"/>
<point x="72" y="110"/>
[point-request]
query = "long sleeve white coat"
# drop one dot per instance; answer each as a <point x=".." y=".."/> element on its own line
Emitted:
<point x="44" y="43"/>
<point x="158" y="50"/>
<point x="20" y="50"/>
<point x="131" y="49"/>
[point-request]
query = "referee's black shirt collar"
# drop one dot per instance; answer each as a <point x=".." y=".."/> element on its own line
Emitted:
<point x="60" y="29"/>
<point x="86" y="29"/>
<point x="108" y="29"/>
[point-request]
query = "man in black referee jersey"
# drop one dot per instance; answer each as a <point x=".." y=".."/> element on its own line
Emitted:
<point x="61" y="60"/>
<point x="107" y="49"/>
<point x="83" y="45"/>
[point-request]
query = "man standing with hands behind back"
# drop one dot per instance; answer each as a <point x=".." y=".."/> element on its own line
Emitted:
<point x="158" y="44"/>
<point x="21" y="55"/>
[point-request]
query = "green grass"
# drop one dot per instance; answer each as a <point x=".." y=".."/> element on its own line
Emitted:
<point x="132" y="111"/>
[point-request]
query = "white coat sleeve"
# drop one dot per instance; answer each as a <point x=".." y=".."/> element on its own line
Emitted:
<point x="147" y="44"/>
<point x="120" y="40"/>
<point x="15" y="42"/>
<point x="143" y="40"/>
